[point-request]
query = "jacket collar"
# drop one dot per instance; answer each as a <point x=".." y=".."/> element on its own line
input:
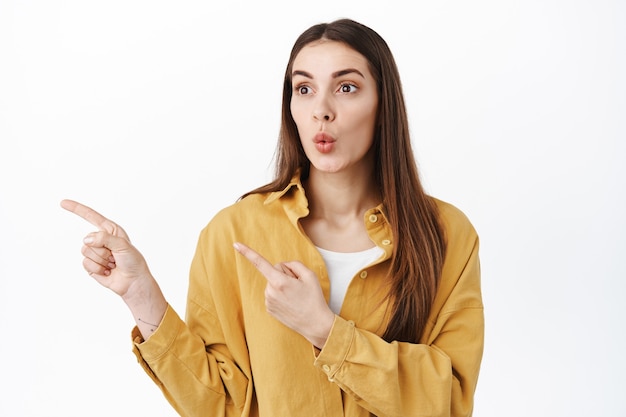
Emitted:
<point x="292" y="198"/>
<point x="295" y="182"/>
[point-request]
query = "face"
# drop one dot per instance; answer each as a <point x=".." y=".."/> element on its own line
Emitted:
<point x="334" y="105"/>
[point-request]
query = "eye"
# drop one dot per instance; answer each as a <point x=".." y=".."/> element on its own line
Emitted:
<point x="303" y="90"/>
<point x="348" y="88"/>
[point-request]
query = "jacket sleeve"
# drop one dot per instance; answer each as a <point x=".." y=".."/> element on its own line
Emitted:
<point x="199" y="371"/>
<point x="434" y="378"/>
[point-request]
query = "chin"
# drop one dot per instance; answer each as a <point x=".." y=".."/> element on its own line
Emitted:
<point x="327" y="169"/>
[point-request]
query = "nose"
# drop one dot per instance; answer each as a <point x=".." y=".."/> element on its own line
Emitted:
<point x="323" y="110"/>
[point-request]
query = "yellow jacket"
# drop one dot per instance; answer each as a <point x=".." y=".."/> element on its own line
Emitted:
<point x="231" y="358"/>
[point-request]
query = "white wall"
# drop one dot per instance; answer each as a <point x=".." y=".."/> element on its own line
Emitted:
<point x="160" y="113"/>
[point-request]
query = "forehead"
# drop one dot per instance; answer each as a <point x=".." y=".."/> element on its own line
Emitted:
<point x="328" y="56"/>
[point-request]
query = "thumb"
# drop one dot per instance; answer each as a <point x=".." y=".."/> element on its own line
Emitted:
<point x="298" y="270"/>
<point x="282" y="267"/>
<point x="102" y="239"/>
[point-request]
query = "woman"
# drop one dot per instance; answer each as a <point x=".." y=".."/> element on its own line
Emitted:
<point x="365" y="296"/>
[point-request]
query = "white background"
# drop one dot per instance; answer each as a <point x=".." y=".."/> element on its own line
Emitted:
<point x="160" y="113"/>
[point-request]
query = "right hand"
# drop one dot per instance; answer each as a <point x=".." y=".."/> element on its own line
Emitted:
<point x="109" y="257"/>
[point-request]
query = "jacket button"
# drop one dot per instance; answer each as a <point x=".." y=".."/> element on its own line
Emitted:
<point x="373" y="218"/>
<point x="363" y="274"/>
<point x="326" y="368"/>
<point x="386" y="242"/>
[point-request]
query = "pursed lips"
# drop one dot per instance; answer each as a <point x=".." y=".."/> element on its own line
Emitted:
<point x="324" y="142"/>
<point x="323" y="137"/>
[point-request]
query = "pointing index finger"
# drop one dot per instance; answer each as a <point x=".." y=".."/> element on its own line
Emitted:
<point x="91" y="216"/>
<point x="262" y="264"/>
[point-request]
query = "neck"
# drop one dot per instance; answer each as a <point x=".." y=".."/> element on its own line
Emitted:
<point x="336" y="195"/>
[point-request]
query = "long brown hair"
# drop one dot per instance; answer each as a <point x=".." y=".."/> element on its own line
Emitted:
<point x="419" y="239"/>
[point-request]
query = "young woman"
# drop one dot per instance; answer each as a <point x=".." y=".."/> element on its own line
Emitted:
<point x="364" y="296"/>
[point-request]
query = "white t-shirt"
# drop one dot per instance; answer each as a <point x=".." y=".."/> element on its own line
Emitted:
<point x="342" y="267"/>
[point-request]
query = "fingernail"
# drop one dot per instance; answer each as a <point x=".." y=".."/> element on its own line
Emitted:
<point x="88" y="240"/>
<point x="237" y="247"/>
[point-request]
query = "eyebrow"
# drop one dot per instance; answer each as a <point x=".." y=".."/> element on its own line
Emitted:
<point x="335" y="74"/>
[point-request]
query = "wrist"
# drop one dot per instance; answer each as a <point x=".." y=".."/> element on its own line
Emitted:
<point x="143" y="290"/>
<point x="146" y="303"/>
<point x="320" y="334"/>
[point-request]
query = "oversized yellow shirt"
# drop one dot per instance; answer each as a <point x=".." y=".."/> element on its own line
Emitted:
<point x="231" y="358"/>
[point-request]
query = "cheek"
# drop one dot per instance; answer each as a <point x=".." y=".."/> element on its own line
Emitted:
<point x="365" y="119"/>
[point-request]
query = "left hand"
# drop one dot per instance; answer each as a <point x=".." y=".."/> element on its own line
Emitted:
<point x="294" y="297"/>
